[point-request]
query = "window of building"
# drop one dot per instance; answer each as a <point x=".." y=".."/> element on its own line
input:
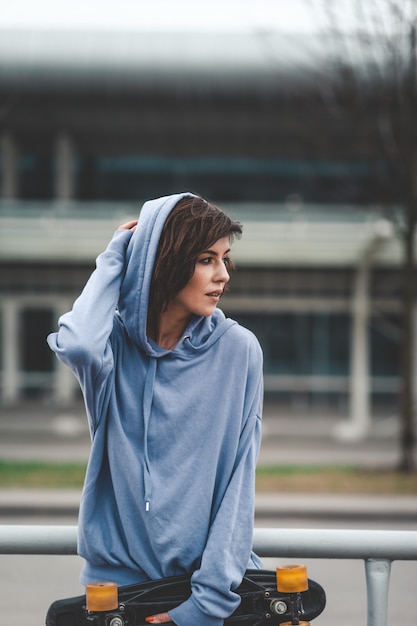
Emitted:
<point x="302" y="344"/>
<point x="35" y="176"/>
<point x="123" y="177"/>
<point x="36" y="355"/>
<point x="385" y="341"/>
<point x="318" y="344"/>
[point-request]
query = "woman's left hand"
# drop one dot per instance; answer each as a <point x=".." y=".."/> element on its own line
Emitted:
<point x="160" y="618"/>
<point x="129" y="226"/>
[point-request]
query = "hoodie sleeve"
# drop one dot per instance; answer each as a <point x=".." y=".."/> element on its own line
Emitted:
<point x="82" y="339"/>
<point x="229" y="545"/>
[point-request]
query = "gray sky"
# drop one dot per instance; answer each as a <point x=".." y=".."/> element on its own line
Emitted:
<point x="163" y="15"/>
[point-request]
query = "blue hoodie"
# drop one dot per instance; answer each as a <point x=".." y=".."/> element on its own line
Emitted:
<point x="175" y="434"/>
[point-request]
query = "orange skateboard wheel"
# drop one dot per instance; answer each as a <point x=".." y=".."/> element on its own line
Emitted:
<point x="101" y="596"/>
<point x="292" y="578"/>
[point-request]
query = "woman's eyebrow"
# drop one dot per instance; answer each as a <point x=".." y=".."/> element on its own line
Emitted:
<point x="214" y="253"/>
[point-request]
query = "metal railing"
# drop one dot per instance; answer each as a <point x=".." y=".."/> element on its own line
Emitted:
<point x="377" y="548"/>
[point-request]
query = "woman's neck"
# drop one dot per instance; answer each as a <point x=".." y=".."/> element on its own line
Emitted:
<point x="165" y="330"/>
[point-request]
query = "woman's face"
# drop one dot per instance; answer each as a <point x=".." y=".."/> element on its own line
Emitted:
<point x="202" y="293"/>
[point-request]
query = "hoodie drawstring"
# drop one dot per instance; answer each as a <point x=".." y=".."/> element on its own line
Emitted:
<point x="147" y="405"/>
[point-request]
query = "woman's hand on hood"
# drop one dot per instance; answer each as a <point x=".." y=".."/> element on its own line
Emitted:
<point x="129" y="226"/>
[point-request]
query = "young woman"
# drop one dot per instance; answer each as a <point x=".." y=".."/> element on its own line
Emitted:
<point x="173" y="391"/>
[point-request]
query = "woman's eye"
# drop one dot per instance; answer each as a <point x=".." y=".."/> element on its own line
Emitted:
<point x="209" y="260"/>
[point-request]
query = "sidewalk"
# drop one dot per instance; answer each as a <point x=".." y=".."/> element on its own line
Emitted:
<point x="64" y="503"/>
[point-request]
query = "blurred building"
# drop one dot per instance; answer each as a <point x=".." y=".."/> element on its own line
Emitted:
<point x="93" y="124"/>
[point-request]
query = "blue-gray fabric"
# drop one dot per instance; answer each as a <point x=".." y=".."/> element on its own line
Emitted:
<point x="175" y="434"/>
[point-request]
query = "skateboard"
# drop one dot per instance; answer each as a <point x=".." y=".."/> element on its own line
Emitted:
<point x="287" y="597"/>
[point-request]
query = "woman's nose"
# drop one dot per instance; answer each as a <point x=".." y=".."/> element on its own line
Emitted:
<point x="223" y="274"/>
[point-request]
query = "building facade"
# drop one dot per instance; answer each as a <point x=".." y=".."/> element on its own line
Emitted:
<point x="90" y="133"/>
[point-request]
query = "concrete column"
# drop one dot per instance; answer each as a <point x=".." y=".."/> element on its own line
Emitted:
<point x="64" y="176"/>
<point x="64" y="383"/>
<point x="359" y="423"/>
<point x="9" y="176"/>
<point x="360" y="403"/>
<point x="10" y="358"/>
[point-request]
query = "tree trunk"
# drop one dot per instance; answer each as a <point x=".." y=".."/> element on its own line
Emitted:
<point x="409" y="95"/>
<point x="407" y="435"/>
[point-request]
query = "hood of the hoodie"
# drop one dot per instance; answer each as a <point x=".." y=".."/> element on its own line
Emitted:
<point x="134" y="294"/>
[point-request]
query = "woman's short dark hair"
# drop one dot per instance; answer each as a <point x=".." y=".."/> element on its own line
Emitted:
<point x="192" y="227"/>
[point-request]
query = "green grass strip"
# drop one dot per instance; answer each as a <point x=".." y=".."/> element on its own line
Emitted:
<point x="41" y="474"/>
<point x="269" y="478"/>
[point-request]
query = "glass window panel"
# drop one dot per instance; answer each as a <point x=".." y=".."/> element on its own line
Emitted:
<point x="302" y="344"/>
<point x="385" y="339"/>
<point x="224" y="178"/>
<point x="36" y="324"/>
<point x="35" y="175"/>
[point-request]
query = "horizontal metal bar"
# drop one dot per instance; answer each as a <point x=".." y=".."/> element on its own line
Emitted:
<point x="274" y="542"/>
<point x="38" y="539"/>
<point x="336" y="544"/>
